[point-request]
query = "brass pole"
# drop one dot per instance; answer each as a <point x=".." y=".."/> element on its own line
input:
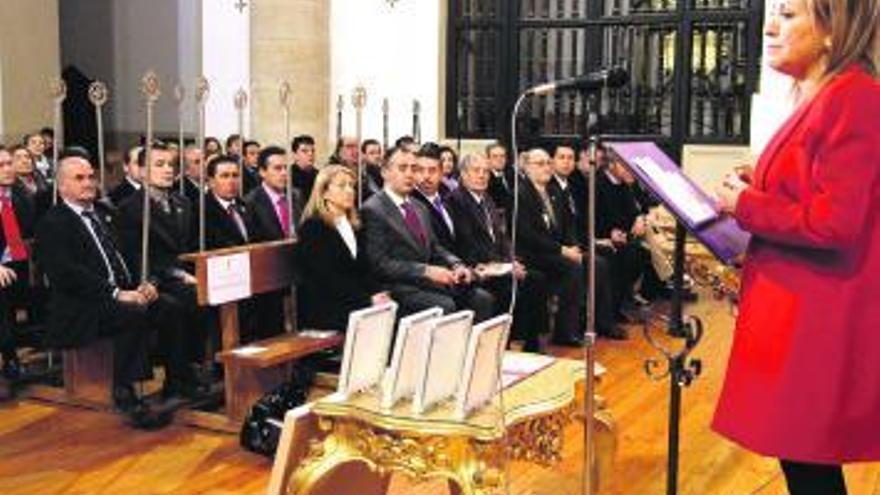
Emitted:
<point x="179" y="96"/>
<point x="284" y="95"/>
<point x="386" y="108"/>
<point x="340" y="106"/>
<point x="151" y="90"/>
<point x="98" y="95"/>
<point x="359" y="101"/>
<point x="58" y="91"/>
<point x="203" y="89"/>
<point x="241" y="100"/>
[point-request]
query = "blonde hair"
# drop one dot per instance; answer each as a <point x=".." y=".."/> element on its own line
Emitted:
<point x="854" y="30"/>
<point x="317" y="205"/>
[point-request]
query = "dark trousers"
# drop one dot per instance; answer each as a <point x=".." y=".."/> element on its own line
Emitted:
<point x="628" y="263"/>
<point x="813" y="479"/>
<point x="413" y="299"/>
<point x="530" y="315"/>
<point x="182" y="329"/>
<point x="16" y="295"/>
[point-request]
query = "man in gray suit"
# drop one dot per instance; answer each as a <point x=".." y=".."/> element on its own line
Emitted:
<point x="403" y="251"/>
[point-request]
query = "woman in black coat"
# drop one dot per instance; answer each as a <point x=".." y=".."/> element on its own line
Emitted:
<point x="335" y="276"/>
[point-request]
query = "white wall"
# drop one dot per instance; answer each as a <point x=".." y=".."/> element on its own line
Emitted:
<point x="225" y="50"/>
<point x="29" y="58"/>
<point x="394" y="52"/>
<point x="770" y="106"/>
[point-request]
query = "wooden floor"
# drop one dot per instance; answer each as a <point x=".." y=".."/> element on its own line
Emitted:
<point x="49" y="450"/>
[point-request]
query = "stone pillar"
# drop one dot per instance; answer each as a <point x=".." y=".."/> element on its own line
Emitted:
<point x="290" y="40"/>
<point x="29" y="58"/>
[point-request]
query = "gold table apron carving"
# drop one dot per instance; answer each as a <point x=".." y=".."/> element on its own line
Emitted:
<point x="353" y="446"/>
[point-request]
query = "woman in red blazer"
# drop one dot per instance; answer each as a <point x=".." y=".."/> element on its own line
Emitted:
<point x="803" y="381"/>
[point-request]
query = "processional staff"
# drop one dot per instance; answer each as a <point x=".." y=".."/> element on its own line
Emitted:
<point x="359" y="101"/>
<point x="151" y="90"/>
<point x="417" y="124"/>
<point x="179" y="95"/>
<point x="58" y="91"/>
<point x="386" y="108"/>
<point x="98" y="95"/>
<point x="241" y="100"/>
<point x="203" y="89"/>
<point x="340" y="106"/>
<point x="284" y="96"/>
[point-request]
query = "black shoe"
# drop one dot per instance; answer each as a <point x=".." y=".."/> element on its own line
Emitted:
<point x="11" y="369"/>
<point x="125" y="399"/>
<point x="570" y="341"/>
<point x="614" y="333"/>
<point x="532" y="345"/>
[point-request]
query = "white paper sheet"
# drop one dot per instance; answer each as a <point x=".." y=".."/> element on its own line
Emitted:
<point x="229" y="278"/>
<point x="249" y="350"/>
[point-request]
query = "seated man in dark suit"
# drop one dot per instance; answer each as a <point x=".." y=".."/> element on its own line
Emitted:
<point x="371" y="150"/>
<point x="171" y="234"/>
<point x="482" y="242"/>
<point x="303" y="171"/>
<point x="224" y="211"/>
<point x="17" y="215"/>
<point x="547" y="242"/>
<point x="268" y="217"/>
<point x="251" y="172"/>
<point x="428" y="192"/>
<point x="131" y="182"/>
<point x="94" y="294"/>
<point x="403" y="251"/>
<point x="193" y="160"/>
<point x="620" y="218"/>
<point x="501" y="182"/>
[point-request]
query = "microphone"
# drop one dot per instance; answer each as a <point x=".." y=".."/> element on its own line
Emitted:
<point x="614" y="77"/>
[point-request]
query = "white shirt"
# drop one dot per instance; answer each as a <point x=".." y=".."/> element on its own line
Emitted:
<point x="239" y="222"/>
<point x="446" y="218"/>
<point x="346" y="231"/>
<point x="79" y="213"/>
<point x="135" y="184"/>
<point x="397" y="199"/>
<point x="563" y="181"/>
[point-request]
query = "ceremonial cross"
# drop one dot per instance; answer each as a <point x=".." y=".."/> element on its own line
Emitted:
<point x="240" y="5"/>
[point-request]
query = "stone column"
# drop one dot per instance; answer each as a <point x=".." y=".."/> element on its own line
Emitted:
<point x="290" y="40"/>
<point x="29" y="58"/>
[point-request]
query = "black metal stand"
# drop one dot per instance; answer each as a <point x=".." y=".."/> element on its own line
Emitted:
<point x="679" y="367"/>
<point x="676" y="364"/>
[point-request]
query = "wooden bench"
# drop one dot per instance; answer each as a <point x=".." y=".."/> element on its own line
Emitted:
<point x="250" y="375"/>
<point x="254" y="370"/>
<point x="88" y="374"/>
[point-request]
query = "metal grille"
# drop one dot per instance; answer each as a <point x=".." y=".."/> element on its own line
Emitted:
<point x="693" y="66"/>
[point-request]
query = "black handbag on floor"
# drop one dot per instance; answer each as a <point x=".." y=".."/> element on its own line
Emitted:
<point x="262" y="427"/>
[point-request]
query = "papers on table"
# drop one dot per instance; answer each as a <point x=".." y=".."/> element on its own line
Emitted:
<point x="674" y="184"/>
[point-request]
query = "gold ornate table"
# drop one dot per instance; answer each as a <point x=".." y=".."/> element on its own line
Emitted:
<point x="354" y="445"/>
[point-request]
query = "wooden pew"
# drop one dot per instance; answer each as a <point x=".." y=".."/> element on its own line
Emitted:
<point x="256" y="369"/>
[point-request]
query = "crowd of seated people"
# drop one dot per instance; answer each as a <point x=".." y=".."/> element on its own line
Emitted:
<point x="431" y="231"/>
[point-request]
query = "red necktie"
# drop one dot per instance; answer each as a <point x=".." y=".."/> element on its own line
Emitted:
<point x="11" y="231"/>
<point x="283" y="215"/>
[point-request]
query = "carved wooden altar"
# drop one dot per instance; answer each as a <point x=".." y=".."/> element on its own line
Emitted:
<point x="356" y="445"/>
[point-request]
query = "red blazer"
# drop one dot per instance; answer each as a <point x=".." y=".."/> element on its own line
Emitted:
<point x="803" y="381"/>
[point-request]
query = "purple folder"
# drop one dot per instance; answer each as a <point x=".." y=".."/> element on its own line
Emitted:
<point x="691" y="205"/>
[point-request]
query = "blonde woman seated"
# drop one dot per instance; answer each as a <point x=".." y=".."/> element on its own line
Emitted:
<point x="335" y="275"/>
